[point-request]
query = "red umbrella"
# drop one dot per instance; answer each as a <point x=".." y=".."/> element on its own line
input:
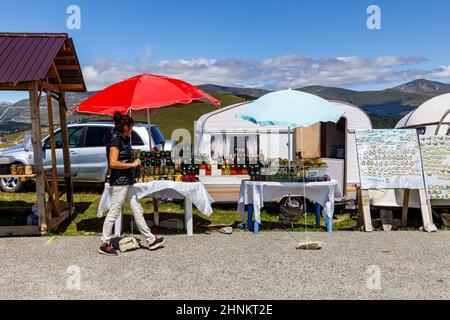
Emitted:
<point x="144" y="91"/>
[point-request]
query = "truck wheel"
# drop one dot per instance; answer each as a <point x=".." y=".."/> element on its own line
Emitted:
<point x="11" y="185"/>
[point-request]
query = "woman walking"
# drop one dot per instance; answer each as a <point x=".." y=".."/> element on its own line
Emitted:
<point x="122" y="177"/>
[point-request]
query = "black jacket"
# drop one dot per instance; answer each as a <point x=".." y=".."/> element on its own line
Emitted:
<point x="125" y="176"/>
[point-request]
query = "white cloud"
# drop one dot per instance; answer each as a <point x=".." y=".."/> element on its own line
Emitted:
<point x="288" y="71"/>
<point x="442" y="72"/>
<point x="390" y="61"/>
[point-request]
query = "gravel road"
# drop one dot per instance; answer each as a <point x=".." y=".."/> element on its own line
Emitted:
<point x="412" y="265"/>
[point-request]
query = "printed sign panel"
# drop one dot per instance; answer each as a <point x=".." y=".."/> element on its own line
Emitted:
<point x="436" y="165"/>
<point x="389" y="159"/>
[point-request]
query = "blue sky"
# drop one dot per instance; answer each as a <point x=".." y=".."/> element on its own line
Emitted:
<point x="261" y="43"/>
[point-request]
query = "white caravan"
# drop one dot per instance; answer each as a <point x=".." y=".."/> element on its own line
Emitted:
<point x="217" y="134"/>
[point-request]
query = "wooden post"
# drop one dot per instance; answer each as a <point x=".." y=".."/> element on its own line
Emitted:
<point x="188" y="218"/>
<point x="51" y="128"/>
<point x="38" y="158"/>
<point x="360" y="218"/>
<point x="66" y="151"/>
<point x="53" y="205"/>
<point x="156" y="211"/>
<point x="365" y="207"/>
<point x="405" y="208"/>
<point x="427" y="217"/>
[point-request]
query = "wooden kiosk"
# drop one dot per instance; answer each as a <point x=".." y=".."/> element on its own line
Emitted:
<point x="43" y="64"/>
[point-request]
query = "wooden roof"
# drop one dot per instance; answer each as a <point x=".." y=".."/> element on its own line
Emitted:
<point x="28" y="57"/>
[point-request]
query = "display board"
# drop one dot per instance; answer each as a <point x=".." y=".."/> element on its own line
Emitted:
<point x="436" y="165"/>
<point x="389" y="159"/>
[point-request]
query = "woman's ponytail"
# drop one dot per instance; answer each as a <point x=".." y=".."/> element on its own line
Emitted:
<point x="122" y="120"/>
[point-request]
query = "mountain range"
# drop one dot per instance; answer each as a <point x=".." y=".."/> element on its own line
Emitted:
<point x="396" y="101"/>
<point x="388" y="104"/>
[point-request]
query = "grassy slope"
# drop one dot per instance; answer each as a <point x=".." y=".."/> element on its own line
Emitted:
<point x="184" y="117"/>
<point x="166" y="119"/>
<point x="18" y="137"/>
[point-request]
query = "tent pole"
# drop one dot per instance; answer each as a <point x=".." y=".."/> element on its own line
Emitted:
<point x="154" y="200"/>
<point x="289" y="149"/>
<point x="148" y="128"/>
<point x="289" y="157"/>
<point x="131" y="135"/>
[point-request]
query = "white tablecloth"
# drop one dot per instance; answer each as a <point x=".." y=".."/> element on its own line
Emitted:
<point x="258" y="192"/>
<point x="193" y="191"/>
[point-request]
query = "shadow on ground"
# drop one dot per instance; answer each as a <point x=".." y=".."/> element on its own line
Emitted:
<point x="95" y="225"/>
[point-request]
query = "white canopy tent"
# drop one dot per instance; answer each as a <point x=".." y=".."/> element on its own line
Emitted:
<point x="430" y="118"/>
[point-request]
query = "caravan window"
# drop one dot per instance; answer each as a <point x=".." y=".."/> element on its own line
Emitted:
<point x="217" y="147"/>
<point x="230" y="145"/>
<point x="251" y="145"/>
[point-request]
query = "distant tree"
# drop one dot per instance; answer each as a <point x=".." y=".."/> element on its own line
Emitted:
<point x="384" y="122"/>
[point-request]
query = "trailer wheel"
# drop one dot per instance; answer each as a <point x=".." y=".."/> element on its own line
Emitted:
<point x="291" y="209"/>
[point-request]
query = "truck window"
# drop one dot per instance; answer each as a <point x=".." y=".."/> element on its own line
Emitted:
<point x="157" y="136"/>
<point x="136" y="139"/>
<point x="75" y="136"/>
<point x="95" y="136"/>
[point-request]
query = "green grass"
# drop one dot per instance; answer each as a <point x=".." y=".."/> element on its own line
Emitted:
<point x="13" y="139"/>
<point x="85" y="221"/>
<point x="18" y="137"/>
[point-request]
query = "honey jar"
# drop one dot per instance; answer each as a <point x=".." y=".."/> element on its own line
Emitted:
<point x="28" y="170"/>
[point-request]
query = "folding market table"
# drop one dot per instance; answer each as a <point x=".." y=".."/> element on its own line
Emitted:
<point x="255" y="193"/>
<point x="192" y="193"/>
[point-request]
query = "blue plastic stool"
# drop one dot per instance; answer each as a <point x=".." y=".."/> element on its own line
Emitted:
<point x="318" y="214"/>
<point x="250" y="222"/>
<point x="329" y="224"/>
<point x="250" y="210"/>
<point x="328" y="219"/>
